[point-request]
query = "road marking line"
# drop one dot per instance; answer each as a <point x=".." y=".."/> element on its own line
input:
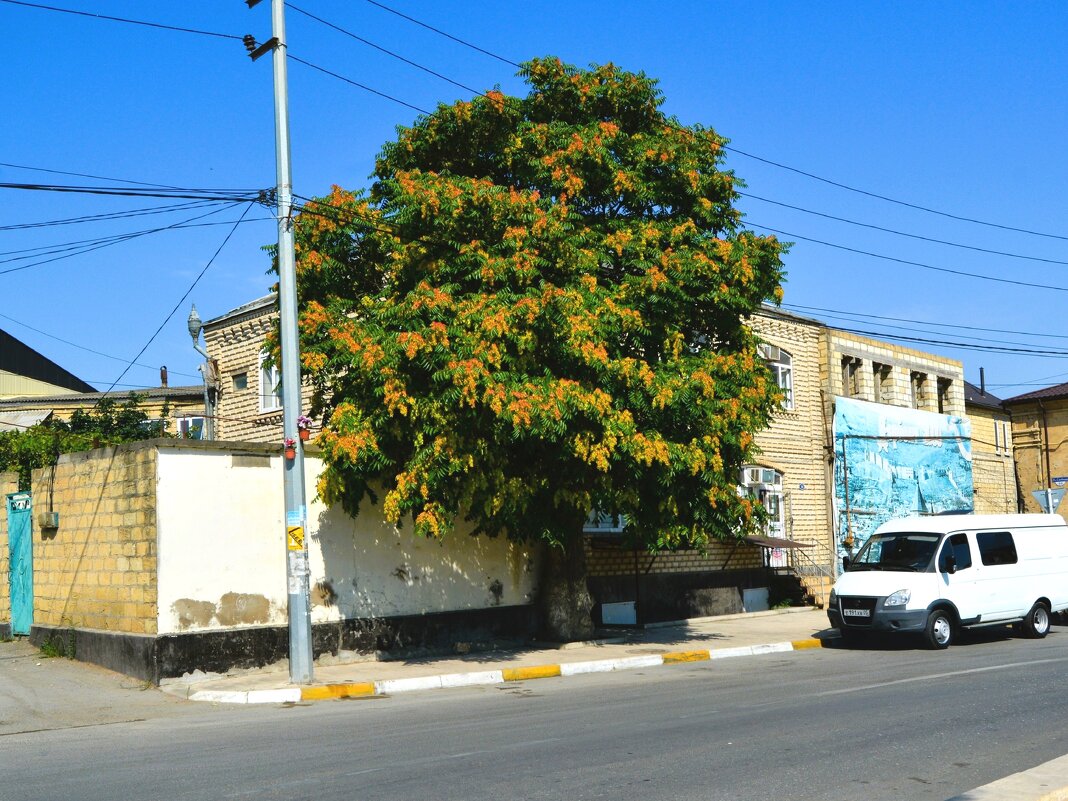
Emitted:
<point x="934" y="676"/>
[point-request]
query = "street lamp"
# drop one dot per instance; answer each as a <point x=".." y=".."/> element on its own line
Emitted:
<point x="195" y="326"/>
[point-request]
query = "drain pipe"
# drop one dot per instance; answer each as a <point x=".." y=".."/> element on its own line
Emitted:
<point x="1045" y="447"/>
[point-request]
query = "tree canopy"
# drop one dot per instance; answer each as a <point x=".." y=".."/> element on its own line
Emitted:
<point x="538" y="309"/>
<point x="107" y="423"/>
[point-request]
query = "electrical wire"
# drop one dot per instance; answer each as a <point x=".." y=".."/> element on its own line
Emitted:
<point x="369" y="43"/>
<point x="89" y="350"/>
<point x="442" y="33"/>
<point x="355" y="83"/>
<point x="111" y="215"/>
<point x="902" y="233"/>
<point x="120" y="19"/>
<point x="234" y="195"/>
<point x="896" y="260"/>
<point x="84" y="175"/>
<point x="181" y="300"/>
<point x="112" y="242"/>
<point x="906" y="204"/>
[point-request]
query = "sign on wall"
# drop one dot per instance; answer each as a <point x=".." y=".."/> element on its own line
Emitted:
<point x="894" y="462"/>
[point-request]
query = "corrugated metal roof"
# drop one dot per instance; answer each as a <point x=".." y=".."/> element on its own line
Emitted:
<point x="251" y="306"/>
<point x="81" y="398"/>
<point x="20" y="421"/>
<point x="1048" y="393"/>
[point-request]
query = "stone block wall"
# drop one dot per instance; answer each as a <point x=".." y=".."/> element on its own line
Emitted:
<point x="9" y="482"/>
<point x="98" y="569"/>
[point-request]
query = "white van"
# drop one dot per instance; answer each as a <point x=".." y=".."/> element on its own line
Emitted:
<point x="934" y="575"/>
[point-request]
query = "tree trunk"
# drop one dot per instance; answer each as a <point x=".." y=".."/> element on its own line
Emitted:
<point x="566" y="604"/>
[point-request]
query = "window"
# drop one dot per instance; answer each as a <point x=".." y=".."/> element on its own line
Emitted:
<point x="191" y="427"/>
<point x="918" y="382"/>
<point x="270" y="387"/>
<point x="962" y="554"/>
<point x="850" y="376"/>
<point x="883" y="388"/>
<point x="781" y="365"/>
<point x="944" y="385"/>
<point x="996" y="547"/>
<point x="240" y="381"/>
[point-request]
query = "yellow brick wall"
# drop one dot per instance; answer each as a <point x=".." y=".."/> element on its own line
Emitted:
<point x="993" y="471"/>
<point x="237" y="344"/>
<point x="902" y="361"/>
<point x="1032" y="425"/>
<point x="9" y="482"/>
<point x="606" y="559"/>
<point x="795" y="445"/>
<point x="98" y="569"/>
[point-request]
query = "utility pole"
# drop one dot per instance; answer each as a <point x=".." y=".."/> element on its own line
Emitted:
<point x="300" y="647"/>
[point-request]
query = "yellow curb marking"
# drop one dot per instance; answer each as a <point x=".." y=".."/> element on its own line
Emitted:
<point x="687" y="656"/>
<point x="336" y="691"/>
<point x="809" y="643"/>
<point x="534" y="672"/>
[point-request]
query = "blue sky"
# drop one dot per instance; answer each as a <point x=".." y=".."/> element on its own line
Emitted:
<point x="959" y="108"/>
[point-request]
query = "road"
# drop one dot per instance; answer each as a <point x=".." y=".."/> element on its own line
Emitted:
<point x="875" y="723"/>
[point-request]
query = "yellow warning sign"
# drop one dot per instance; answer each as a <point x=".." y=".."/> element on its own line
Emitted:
<point x="295" y="538"/>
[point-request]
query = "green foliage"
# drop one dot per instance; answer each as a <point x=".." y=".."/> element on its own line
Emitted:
<point x="108" y="423"/>
<point x="539" y="310"/>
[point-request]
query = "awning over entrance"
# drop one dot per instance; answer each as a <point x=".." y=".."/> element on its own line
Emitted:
<point x="777" y="542"/>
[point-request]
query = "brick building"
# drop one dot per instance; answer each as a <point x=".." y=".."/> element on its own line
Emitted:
<point x="1039" y="437"/>
<point x="993" y="465"/>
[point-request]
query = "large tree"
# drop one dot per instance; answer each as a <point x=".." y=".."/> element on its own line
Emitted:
<point x="537" y="310"/>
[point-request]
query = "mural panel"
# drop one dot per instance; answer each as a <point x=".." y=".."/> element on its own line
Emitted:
<point x="895" y="462"/>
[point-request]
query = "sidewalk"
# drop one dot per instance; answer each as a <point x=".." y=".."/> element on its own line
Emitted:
<point x="693" y="640"/>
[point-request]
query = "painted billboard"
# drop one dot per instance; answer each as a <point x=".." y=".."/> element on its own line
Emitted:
<point x="894" y="462"/>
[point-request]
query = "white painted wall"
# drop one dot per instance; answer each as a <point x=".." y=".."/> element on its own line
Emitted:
<point x="221" y="552"/>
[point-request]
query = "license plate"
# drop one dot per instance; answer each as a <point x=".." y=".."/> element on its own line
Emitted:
<point x="856" y="613"/>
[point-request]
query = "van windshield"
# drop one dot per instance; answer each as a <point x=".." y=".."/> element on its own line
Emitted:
<point x="897" y="551"/>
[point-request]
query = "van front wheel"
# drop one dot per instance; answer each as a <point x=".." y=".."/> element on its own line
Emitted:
<point x="939" y="631"/>
<point x="1036" y="624"/>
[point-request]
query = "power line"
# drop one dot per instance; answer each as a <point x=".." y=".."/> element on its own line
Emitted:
<point x="902" y="233"/>
<point x="120" y="19"/>
<point x="893" y="200"/>
<point x="181" y="300"/>
<point x="84" y="175"/>
<point x="442" y="33"/>
<point x="907" y="261"/>
<point x="369" y="43"/>
<point x="111" y="215"/>
<point x="89" y="350"/>
<point x="234" y="195"/>
<point x="1044" y="354"/>
<point x="113" y="242"/>
<point x="921" y="322"/>
<point x="355" y="83"/>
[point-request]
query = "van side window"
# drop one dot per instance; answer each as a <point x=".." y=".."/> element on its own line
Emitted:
<point x="962" y="553"/>
<point x="996" y="547"/>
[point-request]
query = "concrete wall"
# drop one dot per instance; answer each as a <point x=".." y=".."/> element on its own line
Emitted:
<point x="222" y="551"/>
<point x="9" y="482"/>
<point x="98" y="569"/>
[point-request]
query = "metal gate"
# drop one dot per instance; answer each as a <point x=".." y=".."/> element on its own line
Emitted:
<point x="20" y="572"/>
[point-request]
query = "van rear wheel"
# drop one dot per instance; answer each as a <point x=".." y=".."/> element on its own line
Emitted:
<point x="939" y="631"/>
<point x="1036" y="624"/>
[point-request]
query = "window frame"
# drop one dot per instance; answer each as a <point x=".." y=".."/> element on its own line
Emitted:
<point x="268" y="375"/>
<point x="781" y="364"/>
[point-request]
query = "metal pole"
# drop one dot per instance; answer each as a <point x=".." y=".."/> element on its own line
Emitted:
<point x="300" y="646"/>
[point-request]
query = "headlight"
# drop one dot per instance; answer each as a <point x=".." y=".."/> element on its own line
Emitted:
<point x="899" y="598"/>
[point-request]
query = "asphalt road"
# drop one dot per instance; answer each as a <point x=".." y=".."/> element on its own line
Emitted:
<point x="872" y="723"/>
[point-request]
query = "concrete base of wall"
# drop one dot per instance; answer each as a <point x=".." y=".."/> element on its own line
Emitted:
<point x="154" y="658"/>
<point x="677" y="596"/>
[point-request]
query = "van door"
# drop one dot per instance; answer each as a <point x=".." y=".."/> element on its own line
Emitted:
<point x="1000" y="581"/>
<point x="960" y="587"/>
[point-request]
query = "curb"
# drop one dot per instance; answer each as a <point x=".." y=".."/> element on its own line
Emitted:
<point x="323" y="692"/>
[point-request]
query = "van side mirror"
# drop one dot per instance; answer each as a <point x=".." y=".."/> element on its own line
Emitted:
<point x="846" y="562"/>
<point x="949" y="563"/>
